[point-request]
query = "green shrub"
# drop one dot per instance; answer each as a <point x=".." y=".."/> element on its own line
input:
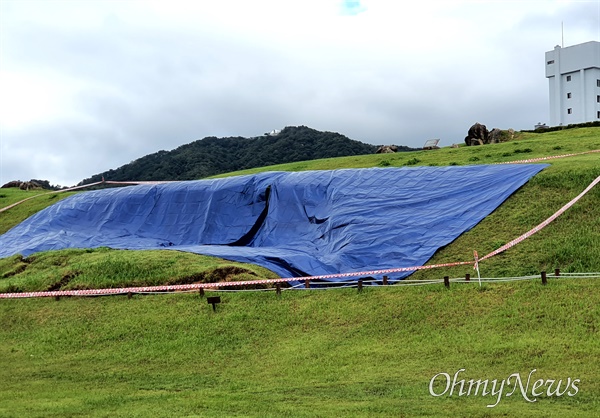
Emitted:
<point x="412" y="161"/>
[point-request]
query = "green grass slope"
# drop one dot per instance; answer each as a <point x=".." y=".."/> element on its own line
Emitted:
<point x="306" y="354"/>
<point x="36" y="201"/>
<point x="327" y="352"/>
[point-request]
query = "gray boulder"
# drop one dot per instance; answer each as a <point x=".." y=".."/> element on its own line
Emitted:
<point x="387" y="149"/>
<point x="478" y="135"/>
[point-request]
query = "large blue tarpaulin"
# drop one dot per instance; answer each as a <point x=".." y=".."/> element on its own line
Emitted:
<point x="296" y="224"/>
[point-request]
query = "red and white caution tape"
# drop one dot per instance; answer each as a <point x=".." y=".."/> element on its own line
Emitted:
<point x="543" y="224"/>
<point x="536" y="160"/>
<point x="196" y="286"/>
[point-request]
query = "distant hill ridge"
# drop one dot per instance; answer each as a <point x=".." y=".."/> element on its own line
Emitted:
<point x="211" y="156"/>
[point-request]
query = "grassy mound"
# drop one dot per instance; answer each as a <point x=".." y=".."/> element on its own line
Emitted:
<point x="102" y="268"/>
<point x="322" y="353"/>
<point x="571" y="243"/>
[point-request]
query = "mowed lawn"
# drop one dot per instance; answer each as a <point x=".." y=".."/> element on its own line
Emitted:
<point x="308" y="353"/>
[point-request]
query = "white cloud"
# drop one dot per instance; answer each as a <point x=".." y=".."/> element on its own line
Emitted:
<point x="108" y="82"/>
<point x="28" y="99"/>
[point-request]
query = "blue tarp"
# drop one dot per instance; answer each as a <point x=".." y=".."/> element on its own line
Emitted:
<point x="296" y="224"/>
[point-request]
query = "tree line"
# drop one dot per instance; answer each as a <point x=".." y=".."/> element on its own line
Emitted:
<point x="211" y="155"/>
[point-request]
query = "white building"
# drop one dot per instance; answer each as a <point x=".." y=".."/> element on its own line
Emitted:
<point x="574" y="80"/>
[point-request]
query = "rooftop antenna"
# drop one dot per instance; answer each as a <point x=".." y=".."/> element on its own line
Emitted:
<point x="562" y="29"/>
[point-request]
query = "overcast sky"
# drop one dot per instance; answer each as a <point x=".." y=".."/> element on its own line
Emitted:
<point x="86" y="86"/>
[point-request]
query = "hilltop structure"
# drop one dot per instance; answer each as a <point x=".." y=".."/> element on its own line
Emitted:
<point x="574" y="82"/>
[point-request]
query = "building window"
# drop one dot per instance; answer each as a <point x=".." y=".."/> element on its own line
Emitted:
<point x="550" y="62"/>
<point x="597" y="83"/>
<point x="598" y="114"/>
<point x="598" y="98"/>
<point x="568" y="78"/>
<point x="568" y="95"/>
<point x="569" y="111"/>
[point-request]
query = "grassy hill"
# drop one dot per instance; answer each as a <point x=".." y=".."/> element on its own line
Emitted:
<point x="211" y="155"/>
<point x="558" y="246"/>
<point x="323" y="353"/>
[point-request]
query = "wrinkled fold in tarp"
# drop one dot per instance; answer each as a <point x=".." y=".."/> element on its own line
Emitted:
<point x="296" y="224"/>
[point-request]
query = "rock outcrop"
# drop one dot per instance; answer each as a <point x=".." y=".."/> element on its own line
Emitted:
<point x="23" y="185"/>
<point x="387" y="149"/>
<point x="478" y="135"/>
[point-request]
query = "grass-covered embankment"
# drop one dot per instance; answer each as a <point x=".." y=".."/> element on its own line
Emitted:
<point x="36" y="201"/>
<point x="308" y="353"/>
<point x="571" y="243"/>
<point x="102" y="268"/>
<point x="335" y="352"/>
